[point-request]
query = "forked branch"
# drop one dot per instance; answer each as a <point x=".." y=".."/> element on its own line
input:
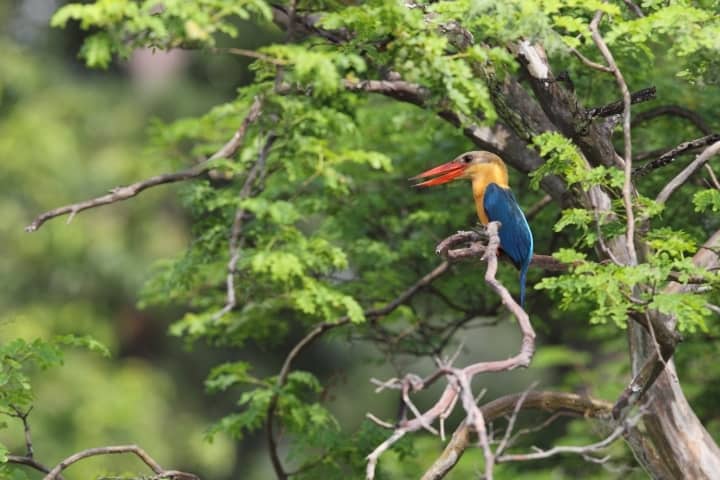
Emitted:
<point x="459" y="379"/>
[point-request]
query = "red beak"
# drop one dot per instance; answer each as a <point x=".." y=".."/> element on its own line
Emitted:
<point x="445" y="173"/>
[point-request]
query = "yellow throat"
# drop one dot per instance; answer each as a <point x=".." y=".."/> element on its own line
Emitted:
<point x="482" y="175"/>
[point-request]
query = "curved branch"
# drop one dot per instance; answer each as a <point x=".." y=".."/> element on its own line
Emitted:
<point x="683" y="176"/>
<point x="552" y="402"/>
<point x="673" y="110"/>
<point x="319" y="330"/>
<point x="119" y="194"/>
<point x="459" y="379"/>
<point x="134" y="449"/>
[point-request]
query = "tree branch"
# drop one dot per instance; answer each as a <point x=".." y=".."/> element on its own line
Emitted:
<point x="119" y="194"/>
<point x="255" y="173"/>
<point x="552" y="402"/>
<point x="685" y="174"/>
<point x="319" y="330"/>
<point x="673" y="110"/>
<point x="459" y="379"/>
<point x="627" y="190"/>
<point x="617" y="107"/>
<point x="134" y="449"/>
<point x="670" y="155"/>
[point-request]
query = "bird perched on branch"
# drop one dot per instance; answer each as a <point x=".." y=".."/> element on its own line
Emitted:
<point x="493" y="200"/>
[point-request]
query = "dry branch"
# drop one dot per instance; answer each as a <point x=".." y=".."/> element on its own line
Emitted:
<point x="627" y="190"/>
<point x="460" y="379"/>
<point x="685" y="174"/>
<point x="113" y="450"/>
<point x="553" y="402"/>
<point x="119" y="194"/>
<point x="617" y="107"/>
<point x="670" y="155"/>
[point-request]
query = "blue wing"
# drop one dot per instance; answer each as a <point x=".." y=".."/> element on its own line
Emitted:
<point x="515" y="236"/>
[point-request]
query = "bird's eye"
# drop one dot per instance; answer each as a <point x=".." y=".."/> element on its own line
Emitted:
<point x="467" y="159"/>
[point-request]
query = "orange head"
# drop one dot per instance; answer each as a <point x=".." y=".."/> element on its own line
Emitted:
<point x="478" y="166"/>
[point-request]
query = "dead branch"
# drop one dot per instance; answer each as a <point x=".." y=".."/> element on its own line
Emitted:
<point x="683" y="176"/>
<point x="460" y="379"/>
<point x="670" y="155"/>
<point x="119" y="194"/>
<point x="627" y="190"/>
<point x="112" y="450"/>
<point x="579" y="450"/>
<point x="617" y="107"/>
<point x="553" y="402"/>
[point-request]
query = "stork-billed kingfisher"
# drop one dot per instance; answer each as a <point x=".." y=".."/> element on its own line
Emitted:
<point x="494" y="201"/>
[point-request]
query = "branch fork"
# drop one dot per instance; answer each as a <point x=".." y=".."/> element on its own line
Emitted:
<point x="459" y="380"/>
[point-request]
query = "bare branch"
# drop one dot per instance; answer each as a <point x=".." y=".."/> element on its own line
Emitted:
<point x="134" y="449"/>
<point x="683" y="176"/>
<point x="459" y="379"/>
<point x="635" y="9"/>
<point x="580" y="450"/>
<point x="554" y="402"/>
<point x="673" y="110"/>
<point x="119" y="194"/>
<point x="670" y="155"/>
<point x="30" y="462"/>
<point x="627" y="140"/>
<point x="617" y="107"/>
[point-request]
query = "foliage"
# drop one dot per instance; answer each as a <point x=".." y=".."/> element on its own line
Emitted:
<point x="330" y="229"/>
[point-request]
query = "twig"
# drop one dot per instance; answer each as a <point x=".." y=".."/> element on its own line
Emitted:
<point x="683" y="176"/>
<point x="670" y="155"/>
<point x="320" y="329"/>
<point x="713" y="179"/>
<point x="590" y="63"/>
<point x="459" y="379"/>
<point x="555" y="402"/>
<point x="134" y="449"/>
<point x="627" y="140"/>
<point x="119" y="194"/>
<point x="581" y="450"/>
<point x="254" y="174"/>
<point x="636" y="10"/>
<point x="537" y="207"/>
<point x="505" y="442"/>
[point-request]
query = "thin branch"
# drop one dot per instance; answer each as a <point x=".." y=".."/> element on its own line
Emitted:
<point x="627" y="139"/>
<point x="319" y="330"/>
<point x="713" y="179"/>
<point x="617" y="107"/>
<point x="553" y="402"/>
<point x="635" y="9"/>
<point x="590" y="63"/>
<point x="537" y="207"/>
<point x="119" y="194"/>
<point x="580" y="450"/>
<point x="685" y="174"/>
<point x="30" y="462"/>
<point x="670" y="155"/>
<point x="255" y="173"/>
<point x="505" y="442"/>
<point x="673" y="110"/>
<point x="134" y="449"/>
<point x="459" y="379"/>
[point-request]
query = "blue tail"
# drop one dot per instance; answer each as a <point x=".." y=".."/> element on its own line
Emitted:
<point x="523" y="275"/>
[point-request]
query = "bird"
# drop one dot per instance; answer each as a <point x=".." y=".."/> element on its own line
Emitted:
<point x="494" y="201"/>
